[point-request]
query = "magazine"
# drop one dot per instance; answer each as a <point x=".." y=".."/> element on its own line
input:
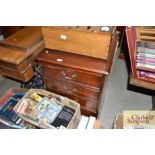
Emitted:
<point x="48" y="109"/>
<point x="39" y="110"/>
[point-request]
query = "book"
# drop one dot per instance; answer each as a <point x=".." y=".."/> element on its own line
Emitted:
<point x="48" y="109"/>
<point x="146" y="62"/>
<point x="147" y="75"/>
<point x="83" y="122"/>
<point x="27" y="108"/>
<point x="91" y="122"/>
<point x="145" y="59"/>
<point x="5" y="124"/>
<point x="147" y="55"/>
<point x="144" y="73"/>
<point x="8" y="117"/>
<point x="64" y="117"/>
<point x="5" y="98"/>
<point x="27" y="111"/>
<point x="145" y="50"/>
<point x="7" y="111"/>
<point x="39" y="110"/>
<point x="145" y="65"/>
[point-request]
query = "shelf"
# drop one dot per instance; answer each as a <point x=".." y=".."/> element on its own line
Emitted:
<point x="145" y="69"/>
<point x="141" y="83"/>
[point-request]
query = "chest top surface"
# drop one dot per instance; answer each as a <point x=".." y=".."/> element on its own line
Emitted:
<point x="75" y="61"/>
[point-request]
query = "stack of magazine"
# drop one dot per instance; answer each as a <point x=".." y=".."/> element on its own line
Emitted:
<point x="44" y="111"/>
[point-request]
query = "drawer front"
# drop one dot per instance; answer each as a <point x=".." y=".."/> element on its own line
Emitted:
<point x="89" y="44"/>
<point x="11" y="73"/>
<point x="8" y="65"/>
<point x="84" y="102"/>
<point x="72" y="75"/>
<point x="15" y="74"/>
<point x="88" y="108"/>
<point x="71" y="89"/>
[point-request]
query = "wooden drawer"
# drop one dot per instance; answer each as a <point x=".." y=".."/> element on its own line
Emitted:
<point x="69" y="74"/>
<point x="24" y="76"/>
<point x="84" y="43"/>
<point x="84" y="102"/>
<point x="8" y="65"/>
<point x="88" y="107"/>
<point x="10" y="73"/>
<point x="22" y="72"/>
<point x="71" y="89"/>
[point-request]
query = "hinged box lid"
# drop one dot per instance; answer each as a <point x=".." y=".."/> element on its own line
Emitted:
<point x="21" y="45"/>
<point x="26" y="39"/>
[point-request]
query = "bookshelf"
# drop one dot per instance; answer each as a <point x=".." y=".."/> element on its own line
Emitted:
<point x="141" y="45"/>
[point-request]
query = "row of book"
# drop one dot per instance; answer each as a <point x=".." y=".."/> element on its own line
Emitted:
<point x="142" y="52"/>
<point x="89" y="123"/>
<point x="145" y="59"/>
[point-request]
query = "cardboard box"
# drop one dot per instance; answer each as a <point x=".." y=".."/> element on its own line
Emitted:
<point x="64" y="101"/>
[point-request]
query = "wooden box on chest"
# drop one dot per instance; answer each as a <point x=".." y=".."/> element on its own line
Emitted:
<point x="18" y="52"/>
<point x="91" y="41"/>
<point x="76" y="76"/>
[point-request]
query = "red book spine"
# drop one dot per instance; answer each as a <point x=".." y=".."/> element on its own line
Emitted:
<point x="5" y="98"/>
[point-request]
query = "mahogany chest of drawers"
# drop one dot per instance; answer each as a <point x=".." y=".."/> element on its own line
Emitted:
<point x="78" y="77"/>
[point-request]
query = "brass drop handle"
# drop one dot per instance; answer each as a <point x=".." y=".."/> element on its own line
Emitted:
<point x="73" y="76"/>
<point x="69" y="91"/>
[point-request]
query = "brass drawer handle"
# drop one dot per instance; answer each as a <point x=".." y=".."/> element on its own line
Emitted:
<point x="69" y="91"/>
<point x="73" y="76"/>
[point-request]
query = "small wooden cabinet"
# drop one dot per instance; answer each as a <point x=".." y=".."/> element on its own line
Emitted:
<point x="78" y="77"/>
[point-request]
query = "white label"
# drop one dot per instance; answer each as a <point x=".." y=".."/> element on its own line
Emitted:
<point x="60" y="60"/>
<point x="64" y="37"/>
<point x="105" y="28"/>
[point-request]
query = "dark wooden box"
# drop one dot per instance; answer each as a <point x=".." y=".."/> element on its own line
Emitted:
<point x="84" y="40"/>
<point x="17" y="53"/>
